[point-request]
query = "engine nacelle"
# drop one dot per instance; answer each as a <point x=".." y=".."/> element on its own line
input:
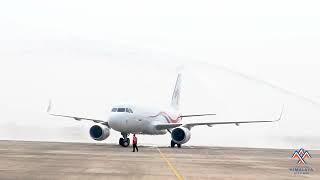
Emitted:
<point x="99" y="132"/>
<point x="180" y="135"/>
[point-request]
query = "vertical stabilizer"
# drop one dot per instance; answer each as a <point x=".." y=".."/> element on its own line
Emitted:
<point x="175" y="101"/>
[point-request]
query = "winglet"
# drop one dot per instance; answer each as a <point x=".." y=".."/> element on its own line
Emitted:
<point x="280" y="117"/>
<point x="49" y="106"/>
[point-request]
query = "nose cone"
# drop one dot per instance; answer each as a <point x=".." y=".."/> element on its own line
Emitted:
<point x="116" y="121"/>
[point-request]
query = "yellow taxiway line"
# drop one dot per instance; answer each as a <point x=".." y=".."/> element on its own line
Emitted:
<point x="171" y="166"/>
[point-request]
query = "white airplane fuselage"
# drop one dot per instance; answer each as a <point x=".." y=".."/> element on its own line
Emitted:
<point x="141" y="120"/>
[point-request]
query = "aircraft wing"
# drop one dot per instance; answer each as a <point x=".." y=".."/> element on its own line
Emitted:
<point x="79" y="118"/>
<point x="167" y="126"/>
<point x="76" y="117"/>
<point x="210" y="124"/>
<point x="194" y="115"/>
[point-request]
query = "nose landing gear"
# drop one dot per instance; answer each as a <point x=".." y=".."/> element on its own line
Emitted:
<point x="125" y="141"/>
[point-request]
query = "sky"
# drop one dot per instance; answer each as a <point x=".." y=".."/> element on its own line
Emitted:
<point x="242" y="60"/>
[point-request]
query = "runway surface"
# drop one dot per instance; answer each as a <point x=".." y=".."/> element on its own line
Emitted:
<point x="48" y="160"/>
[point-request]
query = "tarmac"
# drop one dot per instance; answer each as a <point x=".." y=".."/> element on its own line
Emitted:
<point x="56" y="160"/>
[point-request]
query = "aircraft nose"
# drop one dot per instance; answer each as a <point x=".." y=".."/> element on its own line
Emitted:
<point x="113" y="118"/>
<point x="115" y="121"/>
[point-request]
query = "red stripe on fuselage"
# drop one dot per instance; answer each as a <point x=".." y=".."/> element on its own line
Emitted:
<point x="168" y="117"/>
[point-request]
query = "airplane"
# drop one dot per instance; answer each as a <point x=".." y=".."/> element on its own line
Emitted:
<point x="132" y="119"/>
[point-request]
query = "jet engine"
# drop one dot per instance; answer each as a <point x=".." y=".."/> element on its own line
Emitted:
<point x="180" y="135"/>
<point x="99" y="132"/>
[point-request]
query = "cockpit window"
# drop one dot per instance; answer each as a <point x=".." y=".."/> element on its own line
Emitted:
<point x="129" y="110"/>
<point x="121" y="109"/>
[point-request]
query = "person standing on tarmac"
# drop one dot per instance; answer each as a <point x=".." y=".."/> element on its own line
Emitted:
<point x="134" y="143"/>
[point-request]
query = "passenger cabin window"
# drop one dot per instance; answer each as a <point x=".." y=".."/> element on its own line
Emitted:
<point x="114" y="110"/>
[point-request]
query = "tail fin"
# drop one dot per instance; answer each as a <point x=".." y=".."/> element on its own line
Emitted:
<point x="175" y="101"/>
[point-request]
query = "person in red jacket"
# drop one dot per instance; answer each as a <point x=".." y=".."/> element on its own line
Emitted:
<point x="134" y="143"/>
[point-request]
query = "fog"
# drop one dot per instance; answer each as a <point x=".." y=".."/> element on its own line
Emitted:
<point x="241" y="62"/>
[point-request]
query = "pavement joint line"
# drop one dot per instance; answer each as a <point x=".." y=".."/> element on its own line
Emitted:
<point x="171" y="166"/>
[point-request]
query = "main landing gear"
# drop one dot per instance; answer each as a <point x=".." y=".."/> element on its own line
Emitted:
<point x="125" y="141"/>
<point x="173" y="144"/>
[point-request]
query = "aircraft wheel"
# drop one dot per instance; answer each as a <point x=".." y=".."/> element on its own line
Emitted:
<point x="126" y="143"/>
<point x="179" y="145"/>
<point x="121" y="141"/>
<point x="172" y="143"/>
